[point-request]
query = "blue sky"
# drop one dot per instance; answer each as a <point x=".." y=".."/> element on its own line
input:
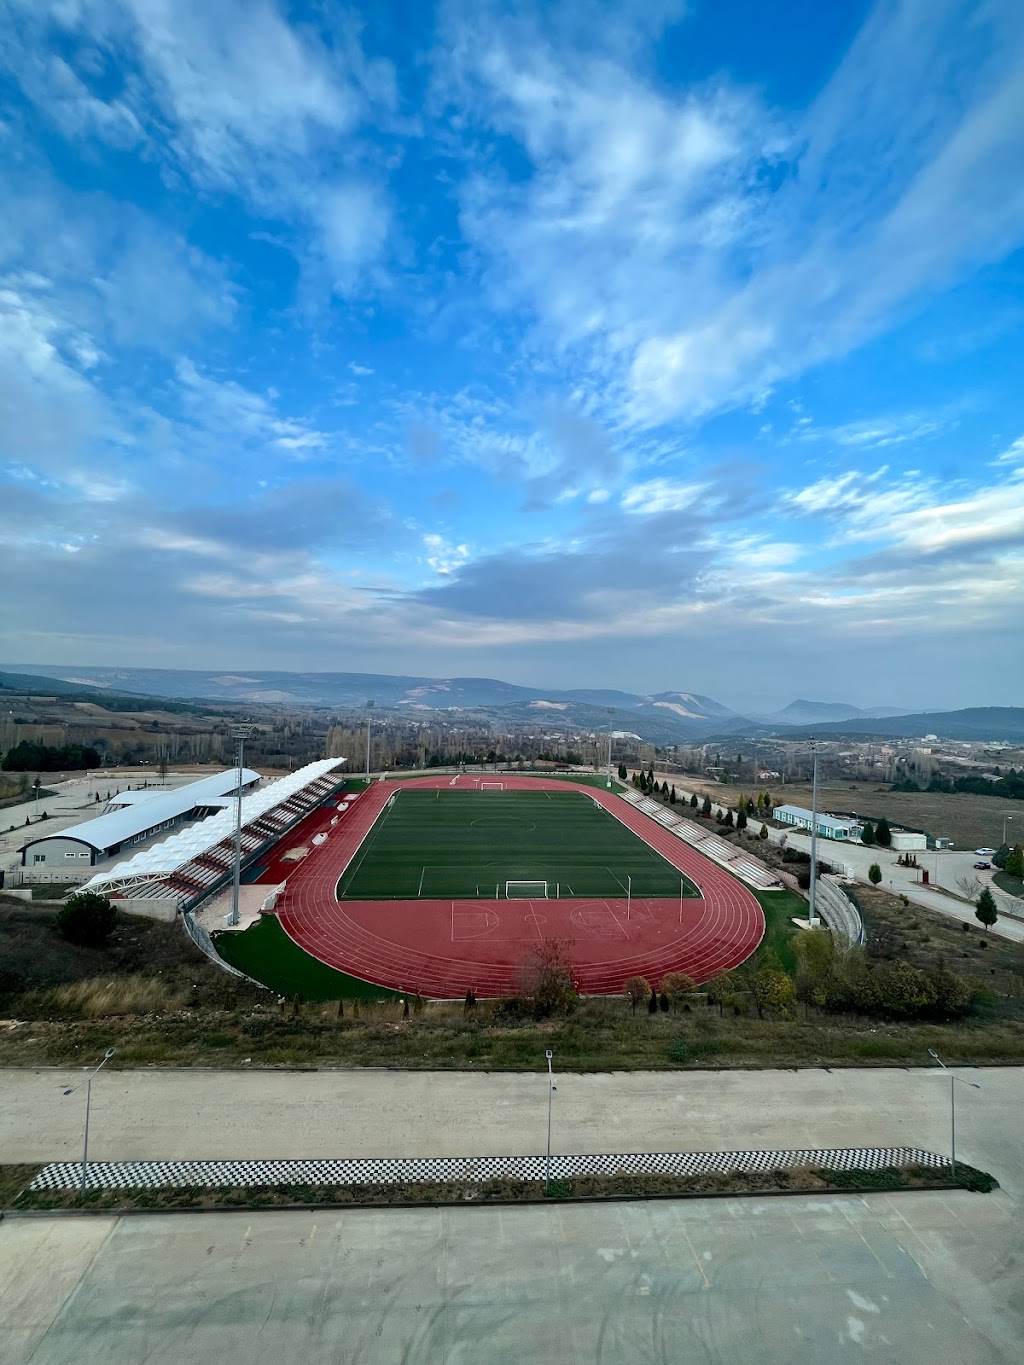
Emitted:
<point x="671" y="348"/>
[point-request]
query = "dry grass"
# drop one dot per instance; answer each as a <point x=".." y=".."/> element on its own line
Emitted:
<point x="969" y="820"/>
<point x="109" y="996"/>
<point x="13" y="1180"/>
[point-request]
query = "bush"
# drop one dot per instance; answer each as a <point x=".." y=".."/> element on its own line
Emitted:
<point x="636" y="990"/>
<point x="674" y="985"/>
<point x="87" y="919"/>
<point x="986" y="911"/>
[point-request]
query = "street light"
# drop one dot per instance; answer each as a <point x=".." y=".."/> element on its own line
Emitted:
<point x="1005" y="818"/>
<point x="611" y="713"/>
<point x="952" y="1104"/>
<point x="814" y="835"/>
<point x="88" y="1101"/>
<point x="551" y="1090"/>
<point x="369" y="717"/>
<point x="241" y="733"/>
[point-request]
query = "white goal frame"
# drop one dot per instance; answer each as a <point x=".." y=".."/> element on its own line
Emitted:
<point x="492" y="786"/>
<point x="539" y="892"/>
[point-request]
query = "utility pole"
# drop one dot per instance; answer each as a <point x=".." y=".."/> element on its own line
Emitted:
<point x="814" y="835"/>
<point x="240" y="733"/>
<point x="369" y="718"/>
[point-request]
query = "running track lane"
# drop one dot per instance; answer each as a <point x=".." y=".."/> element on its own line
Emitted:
<point x="443" y="948"/>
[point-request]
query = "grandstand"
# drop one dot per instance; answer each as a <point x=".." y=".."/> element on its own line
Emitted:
<point x="131" y="817"/>
<point x="743" y="865"/>
<point x="195" y="862"/>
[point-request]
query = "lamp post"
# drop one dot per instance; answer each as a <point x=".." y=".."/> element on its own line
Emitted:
<point x="241" y="733"/>
<point x="952" y="1104"/>
<point x="551" y="1090"/>
<point x="369" y="718"/>
<point x="88" y="1102"/>
<point x="1005" y="818"/>
<point x="814" y="835"/>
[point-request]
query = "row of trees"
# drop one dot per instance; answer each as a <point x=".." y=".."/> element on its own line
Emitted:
<point x="30" y="757"/>
<point x="1009" y="860"/>
<point x="1009" y="785"/>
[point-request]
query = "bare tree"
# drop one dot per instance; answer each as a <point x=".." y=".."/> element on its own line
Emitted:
<point x="970" y="887"/>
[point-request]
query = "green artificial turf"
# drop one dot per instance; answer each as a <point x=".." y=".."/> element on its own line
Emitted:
<point x="779" y="908"/>
<point x="266" y="953"/>
<point x="467" y="845"/>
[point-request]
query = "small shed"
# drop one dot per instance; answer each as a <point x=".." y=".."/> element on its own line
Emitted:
<point x="908" y="841"/>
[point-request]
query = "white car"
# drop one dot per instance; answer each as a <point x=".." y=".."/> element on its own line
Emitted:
<point x="984" y="852"/>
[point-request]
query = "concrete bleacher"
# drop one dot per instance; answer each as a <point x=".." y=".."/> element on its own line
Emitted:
<point x="735" y="860"/>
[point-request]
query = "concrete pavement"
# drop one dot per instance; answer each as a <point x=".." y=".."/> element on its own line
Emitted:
<point x="214" y="1114"/>
<point x="907" y="1279"/>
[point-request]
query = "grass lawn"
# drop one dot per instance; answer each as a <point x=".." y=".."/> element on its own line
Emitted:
<point x="266" y="953"/>
<point x="779" y="930"/>
<point x="467" y="845"/>
<point x="1013" y="886"/>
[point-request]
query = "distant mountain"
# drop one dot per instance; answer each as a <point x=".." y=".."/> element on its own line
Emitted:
<point x="39" y="685"/>
<point x="663" y="717"/>
<point x="974" y="722"/>
<point x="803" y="712"/>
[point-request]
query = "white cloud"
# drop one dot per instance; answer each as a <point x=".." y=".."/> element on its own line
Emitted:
<point x="227" y="410"/>
<point x="664" y="495"/>
<point x="442" y="556"/>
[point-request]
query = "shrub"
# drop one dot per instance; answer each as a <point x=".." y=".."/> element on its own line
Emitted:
<point x="87" y="919"/>
<point x="547" y="982"/>
<point x="636" y="990"/>
<point x="675" y="985"/>
<point x="874" y="874"/>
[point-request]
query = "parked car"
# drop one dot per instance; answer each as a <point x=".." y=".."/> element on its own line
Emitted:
<point x="983" y="867"/>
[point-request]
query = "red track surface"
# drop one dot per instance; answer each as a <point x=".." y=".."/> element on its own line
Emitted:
<point x="445" y="948"/>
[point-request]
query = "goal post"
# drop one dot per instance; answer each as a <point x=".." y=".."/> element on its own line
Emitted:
<point x="526" y="891"/>
<point x="492" y="786"/>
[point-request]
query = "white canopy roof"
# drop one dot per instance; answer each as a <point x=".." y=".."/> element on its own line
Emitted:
<point x="160" y="860"/>
<point x="120" y="825"/>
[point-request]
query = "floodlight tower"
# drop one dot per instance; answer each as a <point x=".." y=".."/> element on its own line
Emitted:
<point x="814" y="834"/>
<point x="240" y="733"/>
<point x="611" y="712"/>
<point x="369" y="718"/>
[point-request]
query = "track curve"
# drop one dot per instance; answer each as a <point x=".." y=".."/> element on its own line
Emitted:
<point x="443" y="948"/>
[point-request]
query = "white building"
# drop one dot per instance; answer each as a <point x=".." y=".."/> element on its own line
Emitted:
<point x="132" y="817"/>
<point x="830" y="826"/>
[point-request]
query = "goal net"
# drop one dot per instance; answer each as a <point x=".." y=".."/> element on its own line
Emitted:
<point x="526" y="891"/>
<point x="492" y="786"/>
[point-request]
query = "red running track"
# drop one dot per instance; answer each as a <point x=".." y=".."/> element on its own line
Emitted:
<point x="442" y="949"/>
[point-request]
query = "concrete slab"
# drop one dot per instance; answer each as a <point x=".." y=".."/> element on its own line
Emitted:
<point x="776" y="1282"/>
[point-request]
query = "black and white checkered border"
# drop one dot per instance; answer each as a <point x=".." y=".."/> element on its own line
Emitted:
<point x="152" y="1175"/>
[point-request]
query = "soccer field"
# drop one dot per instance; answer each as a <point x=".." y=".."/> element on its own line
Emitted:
<point x="467" y="845"/>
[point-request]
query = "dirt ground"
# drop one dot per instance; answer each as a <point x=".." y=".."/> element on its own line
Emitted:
<point x="970" y="821"/>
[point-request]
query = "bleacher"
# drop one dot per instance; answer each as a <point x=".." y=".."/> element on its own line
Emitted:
<point x="743" y="865"/>
<point x="196" y="861"/>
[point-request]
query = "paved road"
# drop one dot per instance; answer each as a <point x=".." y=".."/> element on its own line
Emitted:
<point x="181" y="1114"/>
<point x="909" y="1279"/>
<point x="944" y="870"/>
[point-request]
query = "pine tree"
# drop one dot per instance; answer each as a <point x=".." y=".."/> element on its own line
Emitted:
<point x="1015" y="862"/>
<point x="986" y="911"/>
<point x="728" y="821"/>
<point x="694" y="803"/>
<point x="764" y="832"/>
<point x="706" y="806"/>
<point x="874" y="874"/>
<point x="741" y="820"/>
<point x="883" y="834"/>
<point x="672" y="795"/>
<point x="868" y="834"/>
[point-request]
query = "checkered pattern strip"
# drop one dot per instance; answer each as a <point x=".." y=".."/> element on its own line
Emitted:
<point x="152" y="1175"/>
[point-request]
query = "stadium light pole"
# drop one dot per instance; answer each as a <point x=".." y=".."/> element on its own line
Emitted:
<point x="611" y="713"/>
<point x="952" y="1104"/>
<point x="88" y="1104"/>
<point x="241" y="733"/>
<point x="369" y="717"/>
<point x="814" y="834"/>
<point x="551" y="1090"/>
